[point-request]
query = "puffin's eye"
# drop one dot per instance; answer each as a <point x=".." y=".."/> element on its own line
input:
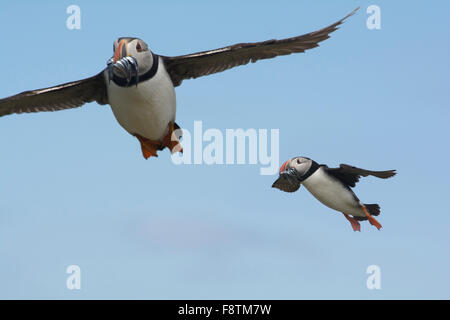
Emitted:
<point x="298" y="161"/>
<point x="138" y="47"/>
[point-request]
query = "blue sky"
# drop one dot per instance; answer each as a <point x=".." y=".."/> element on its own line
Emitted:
<point x="75" y="189"/>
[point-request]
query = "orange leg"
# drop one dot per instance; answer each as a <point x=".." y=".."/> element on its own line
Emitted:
<point x="171" y="140"/>
<point x="372" y="220"/>
<point x="355" y="224"/>
<point x="149" y="147"/>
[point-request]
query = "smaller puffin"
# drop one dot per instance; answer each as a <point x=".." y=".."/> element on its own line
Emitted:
<point x="332" y="187"/>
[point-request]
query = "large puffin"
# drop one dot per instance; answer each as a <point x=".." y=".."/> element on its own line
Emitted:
<point x="332" y="187"/>
<point x="139" y="84"/>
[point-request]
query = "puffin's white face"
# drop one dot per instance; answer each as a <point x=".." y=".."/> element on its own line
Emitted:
<point x="300" y="164"/>
<point x="291" y="173"/>
<point x="129" y="47"/>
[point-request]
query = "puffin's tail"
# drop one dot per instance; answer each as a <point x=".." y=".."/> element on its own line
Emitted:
<point x="374" y="210"/>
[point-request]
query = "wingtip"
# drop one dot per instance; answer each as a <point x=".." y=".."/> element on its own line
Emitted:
<point x="351" y="13"/>
<point x="390" y="174"/>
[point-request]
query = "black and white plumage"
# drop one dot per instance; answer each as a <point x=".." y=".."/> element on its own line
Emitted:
<point x="139" y="85"/>
<point x="331" y="186"/>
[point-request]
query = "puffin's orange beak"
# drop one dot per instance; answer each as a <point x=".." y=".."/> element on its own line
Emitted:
<point x="283" y="167"/>
<point x="121" y="50"/>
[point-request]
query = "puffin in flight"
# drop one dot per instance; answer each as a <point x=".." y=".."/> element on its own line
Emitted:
<point x="139" y="84"/>
<point x="332" y="187"/>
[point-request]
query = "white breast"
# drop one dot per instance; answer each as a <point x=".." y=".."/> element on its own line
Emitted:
<point x="146" y="109"/>
<point x="332" y="193"/>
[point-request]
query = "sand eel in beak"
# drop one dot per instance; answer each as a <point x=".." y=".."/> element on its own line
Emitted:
<point x="332" y="187"/>
<point x="139" y="84"/>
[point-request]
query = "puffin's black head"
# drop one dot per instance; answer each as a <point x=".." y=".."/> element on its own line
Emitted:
<point x="131" y="58"/>
<point x="293" y="172"/>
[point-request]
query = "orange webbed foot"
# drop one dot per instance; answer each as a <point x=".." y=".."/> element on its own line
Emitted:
<point x="355" y="224"/>
<point x="149" y="147"/>
<point x="371" y="219"/>
<point x="171" y="140"/>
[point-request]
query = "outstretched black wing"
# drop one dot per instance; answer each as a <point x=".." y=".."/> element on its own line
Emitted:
<point x="350" y="175"/>
<point x="207" y="62"/>
<point x="65" y="96"/>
